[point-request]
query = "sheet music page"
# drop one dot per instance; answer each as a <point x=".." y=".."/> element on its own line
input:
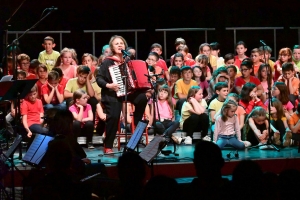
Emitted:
<point x="6" y="78"/>
<point x="151" y="150"/>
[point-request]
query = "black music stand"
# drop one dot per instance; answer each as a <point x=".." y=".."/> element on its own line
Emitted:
<point x="17" y="90"/>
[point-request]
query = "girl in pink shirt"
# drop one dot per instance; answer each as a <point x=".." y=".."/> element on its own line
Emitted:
<point x="83" y="117"/>
<point x="69" y="70"/>
<point x="263" y="75"/>
<point x="165" y="109"/>
<point x="227" y="129"/>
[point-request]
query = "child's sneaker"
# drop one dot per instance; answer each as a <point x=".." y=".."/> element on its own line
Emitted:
<point x="206" y="138"/>
<point x="263" y="146"/>
<point x="287" y="139"/>
<point x="90" y="146"/>
<point x="276" y="139"/>
<point x="176" y="139"/>
<point x="246" y="143"/>
<point x="188" y="140"/>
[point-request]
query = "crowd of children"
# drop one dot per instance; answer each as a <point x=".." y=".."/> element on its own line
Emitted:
<point x="226" y="96"/>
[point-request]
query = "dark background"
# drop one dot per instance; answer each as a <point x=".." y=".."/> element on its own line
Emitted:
<point x="150" y="15"/>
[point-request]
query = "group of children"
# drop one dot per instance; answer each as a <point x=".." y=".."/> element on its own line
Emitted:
<point x="228" y="96"/>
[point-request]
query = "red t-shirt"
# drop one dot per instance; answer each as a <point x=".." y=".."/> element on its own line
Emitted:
<point x="39" y="85"/>
<point x="237" y="61"/>
<point x="240" y="82"/>
<point x="31" y="76"/>
<point x="189" y="62"/>
<point x="46" y="90"/>
<point x="162" y="64"/>
<point x="32" y="110"/>
<point x="63" y="82"/>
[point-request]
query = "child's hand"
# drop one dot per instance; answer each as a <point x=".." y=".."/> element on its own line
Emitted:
<point x="265" y="134"/>
<point x="253" y="96"/>
<point x="50" y="86"/>
<point x="102" y="116"/>
<point x="79" y="106"/>
<point x="191" y="100"/>
<point x="29" y="134"/>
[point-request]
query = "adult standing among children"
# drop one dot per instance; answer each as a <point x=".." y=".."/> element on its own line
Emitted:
<point x="112" y="103"/>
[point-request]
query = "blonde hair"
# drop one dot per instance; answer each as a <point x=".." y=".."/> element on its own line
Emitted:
<point x="228" y="104"/>
<point x="255" y="113"/>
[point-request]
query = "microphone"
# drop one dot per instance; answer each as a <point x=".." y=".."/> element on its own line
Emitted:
<point x="125" y="53"/>
<point x="52" y="8"/>
<point x="262" y="42"/>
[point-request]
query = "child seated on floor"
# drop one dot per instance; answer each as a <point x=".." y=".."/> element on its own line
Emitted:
<point x="294" y="125"/>
<point x="32" y="113"/>
<point x="83" y="117"/>
<point x="256" y="128"/>
<point x="193" y="116"/>
<point x="227" y="129"/>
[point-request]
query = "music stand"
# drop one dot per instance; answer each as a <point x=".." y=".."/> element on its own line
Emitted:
<point x="136" y="136"/>
<point x="17" y="89"/>
<point x="37" y="149"/>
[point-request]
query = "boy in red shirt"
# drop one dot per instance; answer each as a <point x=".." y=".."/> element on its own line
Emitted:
<point x="32" y="113"/>
<point x="53" y="93"/>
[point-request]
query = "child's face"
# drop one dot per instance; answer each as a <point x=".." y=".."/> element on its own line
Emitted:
<point x="24" y="65"/>
<point x="222" y="77"/>
<point x="197" y="72"/>
<point x="288" y="74"/>
<point x="173" y="78"/>
<point x="53" y="83"/>
<point x="259" y="119"/>
<point x="253" y="92"/>
<point x="21" y="77"/>
<point x="296" y="54"/>
<point x="245" y="71"/>
<point x="275" y="91"/>
<point x="187" y="75"/>
<point x="284" y="57"/>
<point x="178" y="62"/>
<point x="199" y="95"/>
<point x="255" y="57"/>
<point x="263" y="72"/>
<point x="83" y="100"/>
<point x="151" y="60"/>
<point x="215" y="52"/>
<point x="87" y="61"/>
<point x="229" y="62"/>
<point x="67" y="58"/>
<point x="231" y="111"/>
<point x="231" y="73"/>
<point x="266" y="55"/>
<point x="42" y="73"/>
<point x="82" y="79"/>
<point x="157" y="50"/>
<point x="48" y="45"/>
<point x="206" y="51"/>
<point x="222" y="93"/>
<point x="32" y="96"/>
<point x="240" y="49"/>
<point x="107" y="52"/>
<point x="163" y="95"/>
<point x="132" y="52"/>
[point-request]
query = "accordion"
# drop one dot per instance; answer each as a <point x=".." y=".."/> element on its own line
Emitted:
<point x="136" y="79"/>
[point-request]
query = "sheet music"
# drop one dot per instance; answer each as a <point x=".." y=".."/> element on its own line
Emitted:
<point x="138" y="132"/>
<point x="6" y="78"/>
<point x="37" y="149"/>
<point x="151" y="150"/>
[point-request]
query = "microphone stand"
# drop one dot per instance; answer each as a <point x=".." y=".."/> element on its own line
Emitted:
<point x="15" y="43"/>
<point x="125" y="72"/>
<point x="5" y="35"/>
<point x="269" y="141"/>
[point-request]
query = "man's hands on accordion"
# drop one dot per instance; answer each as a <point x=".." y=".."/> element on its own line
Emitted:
<point x="114" y="86"/>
